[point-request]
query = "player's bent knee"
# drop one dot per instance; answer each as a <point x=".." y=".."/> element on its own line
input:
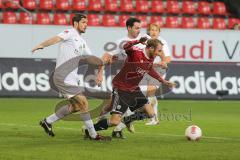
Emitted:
<point x="79" y="103"/>
<point x="115" y="120"/>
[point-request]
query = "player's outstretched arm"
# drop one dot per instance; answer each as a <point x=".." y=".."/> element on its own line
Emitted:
<point x="157" y="76"/>
<point x="106" y="58"/>
<point x="47" y="43"/>
<point x="128" y="46"/>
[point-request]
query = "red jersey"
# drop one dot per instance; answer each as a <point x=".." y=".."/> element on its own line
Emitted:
<point x="135" y="67"/>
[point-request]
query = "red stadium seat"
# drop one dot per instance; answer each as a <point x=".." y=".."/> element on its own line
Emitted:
<point x="26" y="18"/>
<point x="29" y="4"/>
<point x="95" y="5"/>
<point x="79" y="5"/>
<point x="109" y="20"/>
<point x="219" y="23"/>
<point x="111" y="5"/>
<point x="172" y="6"/>
<point x="219" y="8"/>
<point x="62" y="5"/>
<point x="143" y="19"/>
<point x="172" y="22"/>
<point x="232" y="21"/>
<point x="1" y="3"/>
<point x="126" y="6"/>
<point x="204" y="8"/>
<point x="157" y="20"/>
<point x="188" y="22"/>
<point x="12" y="3"/>
<point x="203" y="23"/>
<point x="142" y="6"/>
<point x="93" y="20"/>
<point x="123" y="19"/>
<point x="43" y="18"/>
<point x="60" y="19"/>
<point x="188" y="7"/>
<point x="157" y="6"/>
<point x="46" y="4"/>
<point x="9" y="17"/>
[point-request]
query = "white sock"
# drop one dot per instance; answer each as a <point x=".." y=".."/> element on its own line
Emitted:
<point x="52" y="118"/>
<point x="89" y="124"/>
<point x="153" y="101"/>
<point x="60" y="113"/>
<point x="120" y="127"/>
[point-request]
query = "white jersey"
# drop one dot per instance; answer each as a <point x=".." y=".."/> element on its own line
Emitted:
<point x="73" y="45"/>
<point x="120" y="42"/>
<point x="165" y="49"/>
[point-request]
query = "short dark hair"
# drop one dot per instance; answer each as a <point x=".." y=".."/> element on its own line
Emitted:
<point x="153" y="42"/>
<point x="130" y="22"/>
<point x="77" y="17"/>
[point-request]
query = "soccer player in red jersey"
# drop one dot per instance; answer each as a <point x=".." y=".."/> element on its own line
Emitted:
<point x="126" y="91"/>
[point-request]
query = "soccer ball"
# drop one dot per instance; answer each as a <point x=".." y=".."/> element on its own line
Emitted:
<point x="193" y="133"/>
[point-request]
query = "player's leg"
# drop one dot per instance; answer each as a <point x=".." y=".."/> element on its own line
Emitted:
<point x="118" y="109"/>
<point x="60" y="113"/>
<point x="142" y="109"/>
<point x="154" y="103"/>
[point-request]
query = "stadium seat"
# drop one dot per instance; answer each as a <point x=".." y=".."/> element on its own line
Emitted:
<point x="219" y="8"/>
<point x="219" y="23"/>
<point x="126" y="6"/>
<point x="43" y="18"/>
<point x="203" y="23"/>
<point x="172" y="22"/>
<point x="29" y="4"/>
<point x="232" y="21"/>
<point x="188" y="7"/>
<point x="204" y="8"/>
<point x="142" y="6"/>
<point x="122" y="20"/>
<point x="95" y="5"/>
<point x="60" y="19"/>
<point x="62" y="5"/>
<point x="188" y="22"/>
<point x="172" y="6"/>
<point x="157" y="6"/>
<point x="157" y="20"/>
<point x="26" y="18"/>
<point x="143" y="19"/>
<point x="46" y="4"/>
<point x="109" y="20"/>
<point x="79" y="5"/>
<point x="111" y="5"/>
<point x="1" y="4"/>
<point x="93" y="20"/>
<point x="9" y="17"/>
<point x="12" y="3"/>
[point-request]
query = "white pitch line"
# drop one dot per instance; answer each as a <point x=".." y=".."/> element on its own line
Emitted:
<point x="146" y="133"/>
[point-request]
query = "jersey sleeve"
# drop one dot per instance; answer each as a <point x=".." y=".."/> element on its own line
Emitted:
<point x="155" y="75"/>
<point x="166" y="50"/>
<point x="65" y="35"/>
<point x="87" y="50"/>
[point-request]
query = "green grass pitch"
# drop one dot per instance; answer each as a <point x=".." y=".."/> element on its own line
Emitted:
<point x="21" y="138"/>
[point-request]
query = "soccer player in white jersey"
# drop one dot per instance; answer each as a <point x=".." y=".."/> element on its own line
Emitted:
<point x="71" y="46"/>
<point x="154" y="31"/>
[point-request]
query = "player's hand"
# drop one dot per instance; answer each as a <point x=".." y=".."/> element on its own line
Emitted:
<point x="170" y="84"/>
<point x="99" y="79"/>
<point x="143" y="40"/>
<point x="37" y="48"/>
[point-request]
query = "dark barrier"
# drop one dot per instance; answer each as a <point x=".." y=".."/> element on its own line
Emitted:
<point x="204" y="80"/>
<point x="30" y="78"/>
<point x="25" y="77"/>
